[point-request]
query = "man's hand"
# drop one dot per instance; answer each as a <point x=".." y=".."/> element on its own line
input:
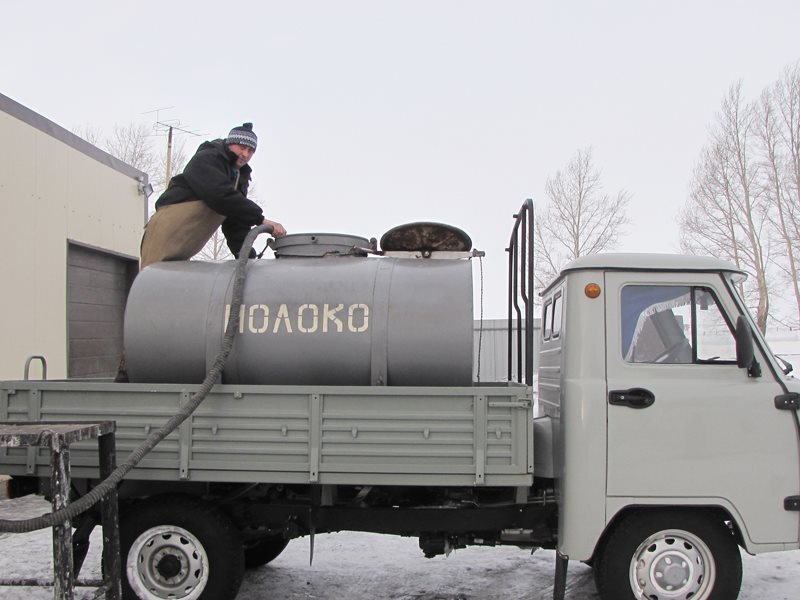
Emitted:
<point x="278" y="230"/>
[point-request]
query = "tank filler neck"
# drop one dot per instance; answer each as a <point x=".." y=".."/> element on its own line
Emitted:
<point x="321" y="244"/>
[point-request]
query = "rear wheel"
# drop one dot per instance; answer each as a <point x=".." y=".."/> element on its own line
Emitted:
<point x="669" y="555"/>
<point x="180" y="548"/>
<point x="263" y="551"/>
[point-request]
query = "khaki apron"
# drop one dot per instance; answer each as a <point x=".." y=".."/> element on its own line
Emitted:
<point x="178" y="231"/>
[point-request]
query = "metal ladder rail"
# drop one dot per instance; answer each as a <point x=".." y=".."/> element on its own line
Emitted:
<point x="520" y="288"/>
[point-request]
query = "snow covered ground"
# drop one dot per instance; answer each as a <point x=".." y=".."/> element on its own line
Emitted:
<point x="362" y="566"/>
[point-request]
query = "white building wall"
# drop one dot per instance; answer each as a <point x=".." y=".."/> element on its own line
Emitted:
<point x="54" y="187"/>
<point x="490" y="343"/>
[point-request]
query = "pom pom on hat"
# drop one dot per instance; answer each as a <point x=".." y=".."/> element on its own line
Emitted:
<point x="243" y="135"/>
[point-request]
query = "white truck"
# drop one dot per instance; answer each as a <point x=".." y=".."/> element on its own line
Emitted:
<point x="667" y="438"/>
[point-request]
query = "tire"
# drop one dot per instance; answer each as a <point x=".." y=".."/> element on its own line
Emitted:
<point x="263" y="551"/>
<point x="669" y="555"/>
<point x="181" y="548"/>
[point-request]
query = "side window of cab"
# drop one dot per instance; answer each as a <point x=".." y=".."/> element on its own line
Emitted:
<point x="674" y="324"/>
<point x="546" y="320"/>
<point x="558" y="302"/>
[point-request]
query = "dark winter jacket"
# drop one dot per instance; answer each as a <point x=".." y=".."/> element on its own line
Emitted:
<point x="209" y="176"/>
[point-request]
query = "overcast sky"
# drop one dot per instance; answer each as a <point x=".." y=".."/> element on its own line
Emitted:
<point x="371" y="114"/>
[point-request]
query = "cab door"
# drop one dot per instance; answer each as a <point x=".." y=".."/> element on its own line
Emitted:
<point x="685" y="424"/>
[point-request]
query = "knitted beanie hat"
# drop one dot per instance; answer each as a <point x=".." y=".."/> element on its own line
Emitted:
<point x="243" y="135"/>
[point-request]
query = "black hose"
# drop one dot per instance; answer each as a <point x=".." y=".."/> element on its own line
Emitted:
<point x="85" y="502"/>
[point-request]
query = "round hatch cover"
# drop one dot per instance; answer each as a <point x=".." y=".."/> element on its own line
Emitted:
<point x="320" y="244"/>
<point x="414" y="237"/>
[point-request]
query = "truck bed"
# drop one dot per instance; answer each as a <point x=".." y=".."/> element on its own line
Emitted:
<point x="455" y="436"/>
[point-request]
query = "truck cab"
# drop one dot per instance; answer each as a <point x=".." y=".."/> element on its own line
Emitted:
<point x="672" y="424"/>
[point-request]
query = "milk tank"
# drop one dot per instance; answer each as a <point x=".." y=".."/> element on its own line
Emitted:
<point x="325" y="311"/>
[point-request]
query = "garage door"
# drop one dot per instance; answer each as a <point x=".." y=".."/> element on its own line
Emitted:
<point x="97" y="288"/>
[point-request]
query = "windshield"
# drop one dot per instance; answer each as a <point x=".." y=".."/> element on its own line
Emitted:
<point x="785" y="350"/>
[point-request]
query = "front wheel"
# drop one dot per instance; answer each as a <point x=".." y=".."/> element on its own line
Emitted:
<point x="181" y="548"/>
<point x="669" y="555"/>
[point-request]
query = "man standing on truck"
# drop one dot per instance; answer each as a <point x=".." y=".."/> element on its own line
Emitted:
<point x="211" y="191"/>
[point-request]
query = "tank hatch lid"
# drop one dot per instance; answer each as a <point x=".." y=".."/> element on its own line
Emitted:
<point x="413" y="237"/>
<point x="320" y="244"/>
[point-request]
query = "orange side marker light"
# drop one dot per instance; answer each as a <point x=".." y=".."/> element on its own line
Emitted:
<point x="592" y="290"/>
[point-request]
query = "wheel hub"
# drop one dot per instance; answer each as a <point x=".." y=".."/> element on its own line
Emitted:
<point x="169" y="565"/>
<point x="671" y="571"/>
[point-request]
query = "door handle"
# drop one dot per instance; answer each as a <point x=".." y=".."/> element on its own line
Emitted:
<point x="633" y="398"/>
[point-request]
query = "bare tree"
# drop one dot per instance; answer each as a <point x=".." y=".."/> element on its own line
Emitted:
<point x="579" y="218"/>
<point x="132" y="144"/>
<point x="779" y="144"/>
<point x="178" y="160"/>
<point x="215" y="249"/>
<point x="136" y="145"/>
<point x="88" y="133"/>
<point x="727" y="214"/>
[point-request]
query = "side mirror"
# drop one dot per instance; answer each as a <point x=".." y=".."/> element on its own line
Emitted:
<point x="745" y="354"/>
<point x="787" y="366"/>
